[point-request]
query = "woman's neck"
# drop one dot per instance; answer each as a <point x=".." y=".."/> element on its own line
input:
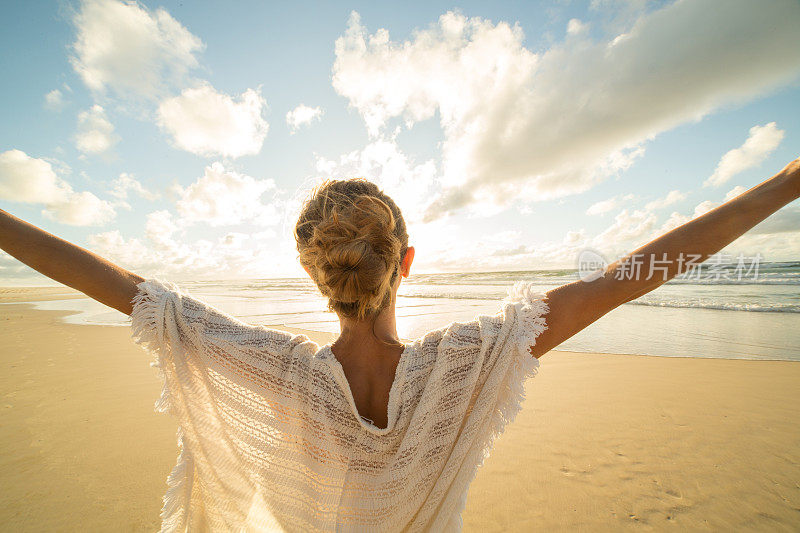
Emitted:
<point x="381" y="329"/>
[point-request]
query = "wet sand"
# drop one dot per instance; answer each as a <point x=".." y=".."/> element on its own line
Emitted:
<point x="603" y="441"/>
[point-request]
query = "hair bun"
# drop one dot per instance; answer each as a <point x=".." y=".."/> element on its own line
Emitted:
<point x="351" y="247"/>
<point x="352" y="269"/>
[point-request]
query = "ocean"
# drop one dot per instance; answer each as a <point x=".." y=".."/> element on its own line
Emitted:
<point x="720" y="315"/>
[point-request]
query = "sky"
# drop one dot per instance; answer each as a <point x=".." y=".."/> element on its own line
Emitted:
<point x="179" y="139"/>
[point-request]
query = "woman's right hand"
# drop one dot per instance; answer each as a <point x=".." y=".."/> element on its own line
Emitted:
<point x="792" y="172"/>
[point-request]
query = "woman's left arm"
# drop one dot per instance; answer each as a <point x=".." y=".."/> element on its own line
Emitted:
<point x="576" y="305"/>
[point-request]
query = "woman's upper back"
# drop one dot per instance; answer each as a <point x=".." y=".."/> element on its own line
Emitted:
<point x="272" y="436"/>
<point x="370" y="367"/>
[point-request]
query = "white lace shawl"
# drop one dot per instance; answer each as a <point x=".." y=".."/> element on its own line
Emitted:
<point x="270" y="438"/>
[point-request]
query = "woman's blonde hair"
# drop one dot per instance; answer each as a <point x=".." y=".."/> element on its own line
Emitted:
<point x="352" y="239"/>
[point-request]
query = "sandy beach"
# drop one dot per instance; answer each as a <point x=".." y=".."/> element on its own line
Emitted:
<point x="603" y="442"/>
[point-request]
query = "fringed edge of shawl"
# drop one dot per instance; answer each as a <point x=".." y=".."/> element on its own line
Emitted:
<point x="530" y="323"/>
<point x="176" y="499"/>
<point x="147" y="322"/>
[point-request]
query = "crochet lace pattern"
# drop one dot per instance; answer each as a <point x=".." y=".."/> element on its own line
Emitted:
<point x="270" y="438"/>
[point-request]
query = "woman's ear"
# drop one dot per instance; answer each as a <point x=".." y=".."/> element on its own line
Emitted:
<point x="405" y="266"/>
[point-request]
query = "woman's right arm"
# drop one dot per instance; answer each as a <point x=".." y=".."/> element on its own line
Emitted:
<point x="69" y="264"/>
<point x="576" y="305"/>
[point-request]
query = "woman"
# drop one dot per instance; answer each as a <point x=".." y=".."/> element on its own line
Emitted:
<point x="367" y="433"/>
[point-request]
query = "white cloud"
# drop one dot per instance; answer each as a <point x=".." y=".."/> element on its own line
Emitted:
<point x="160" y="229"/>
<point x="219" y="198"/>
<point x="206" y="122"/>
<point x="383" y="79"/>
<point x="30" y="180"/>
<point x="733" y="193"/>
<point x="762" y="141"/>
<point x="604" y="206"/>
<point x="628" y="228"/>
<point x="230" y="256"/>
<point x="222" y="197"/>
<point x="301" y="115"/>
<point x="81" y="209"/>
<point x="131" y="50"/>
<point x="783" y="246"/>
<point x="407" y="182"/>
<point x="675" y="219"/>
<point x="704" y="207"/>
<point x="54" y="100"/>
<point x="785" y="220"/>
<point x="555" y="123"/>
<point x="575" y="27"/>
<point x="128" y="253"/>
<point x="95" y="132"/>
<point x="672" y="197"/>
<point x="777" y="238"/>
<point x="125" y="184"/>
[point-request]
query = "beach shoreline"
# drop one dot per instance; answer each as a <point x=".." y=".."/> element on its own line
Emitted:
<point x="603" y="441"/>
<point x="644" y="330"/>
